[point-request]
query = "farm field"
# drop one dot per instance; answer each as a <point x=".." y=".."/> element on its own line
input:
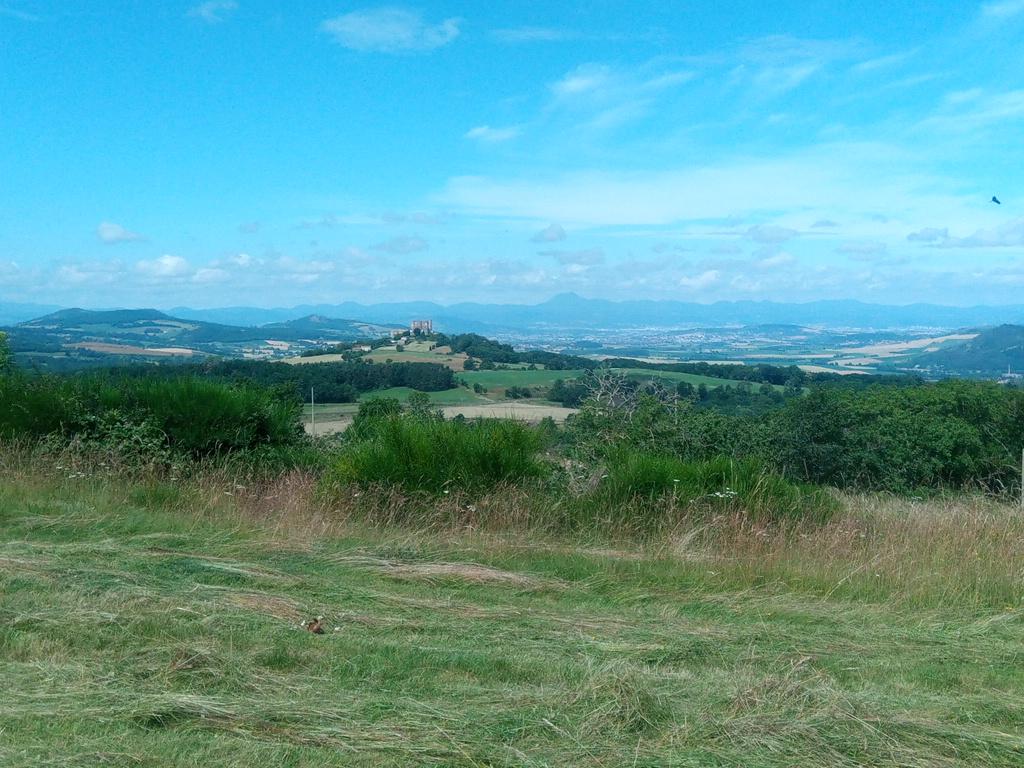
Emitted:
<point x="516" y="377"/>
<point x="692" y="378"/>
<point x="456" y="396"/>
<point x="519" y="410"/>
<point x="146" y="623"/>
<point x="313" y="359"/>
<point x="418" y="352"/>
<point x="336" y="417"/>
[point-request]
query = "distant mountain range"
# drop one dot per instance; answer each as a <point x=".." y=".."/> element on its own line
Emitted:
<point x="84" y="334"/>
<point x="74" y="337"/>
<point x="570" y="312"/>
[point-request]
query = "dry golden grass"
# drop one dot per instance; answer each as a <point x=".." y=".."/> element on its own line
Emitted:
<point x="150" y="621"/>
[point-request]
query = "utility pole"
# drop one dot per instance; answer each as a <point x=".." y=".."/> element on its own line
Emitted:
<point x="312" y="410"/>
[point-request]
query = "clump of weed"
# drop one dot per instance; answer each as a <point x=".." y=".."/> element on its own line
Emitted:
<point x="716" y="485"/>
<point x="623" y="698"/>
<point x="438" y="456"/>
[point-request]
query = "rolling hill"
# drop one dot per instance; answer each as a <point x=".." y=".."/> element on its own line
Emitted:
<point x="149" y="333"/>
<point x="991" y="353"/>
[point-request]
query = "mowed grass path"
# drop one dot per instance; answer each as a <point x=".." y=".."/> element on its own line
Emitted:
<point x="152" y="625"/>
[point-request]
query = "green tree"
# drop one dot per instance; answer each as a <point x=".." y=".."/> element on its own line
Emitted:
<point x="420" y="406"/>
<point x="6" y="357"/>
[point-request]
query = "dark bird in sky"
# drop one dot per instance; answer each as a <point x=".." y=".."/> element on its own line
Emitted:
<point x="996" y="200"/>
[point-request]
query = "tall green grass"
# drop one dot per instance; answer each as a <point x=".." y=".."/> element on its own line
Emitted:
<point x="194" y="416"/>
<point x="435" y="456"/>
<point x="741" y="485"/>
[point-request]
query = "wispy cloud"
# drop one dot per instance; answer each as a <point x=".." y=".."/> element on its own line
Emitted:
<point x="553" y="233"/>
<point x="588" y="258"/>
<point x="403" y="244"/>
<point x="111" y="233"/>
<point x="165" y="267"/>
<point x="929" y="235"/>
<point x="775" y="260"/>
<point x="598" y="97"/>
<point x="587" y="78"/>
<point x="390" y="30"/>
<point x="705" y="279"/>
<point x="978" y="112"/>
<point x="770" y="233"/>
<point x="213" y="11"/>
<point x="843" y="179"/>
<point x="774" y="65"/>
<point x="14" y="13"/>
<point x="532" y="35"/>
<point x="489" y="135"/>
<point x="882" y="62"/>
<point x="862" y="249"/>
<point x="1008" y="235"/>
<point x="1002" y="9"/>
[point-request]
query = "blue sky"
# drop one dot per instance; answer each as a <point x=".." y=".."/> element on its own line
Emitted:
<point x="248" y="152"/>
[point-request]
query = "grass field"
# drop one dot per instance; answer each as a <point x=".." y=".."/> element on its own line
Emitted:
<point x="152" y="624"/>
<point x="696" y="380"/>
<point x="417" y="352"/>
<point x="501" y="379"/>
<point x="336" y="417"/>
<point x="457" y="396"/>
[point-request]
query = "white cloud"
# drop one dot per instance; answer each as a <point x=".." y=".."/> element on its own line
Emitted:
<point x="587" y="78"/>
<point x="928" y="235"/>
<point x="998" y="110"/>
<point x="209" y="275"/>
<point x="489" y="135"/>
<point x="964" y="96"/>
<point x="552" y="233"/>
<point x="670" y="248"/>
<point x="92" y="273"/>
<point x="1008" y="235"/>
<point x="862" y="249"/>
<point x="776" y="260"/>
<point x="1002" y="9"/>
<point x="532" y="35"/>
<point x="704" y="280"/>
<point x="774" y="65"/>
<point x="882" y="62"/>
<point x="402" y="245"/>
<point x="14" y="13"/>
<point x="390" y="30"/>
<point x="727" y="249"/>
<point x="214" y="11"/>
<point x="588" y="258"/>
<point x="166" y="266"/>
<point x="110" y="233"/>
<point x="842" y="180"/>
<point x="770" y="233"/>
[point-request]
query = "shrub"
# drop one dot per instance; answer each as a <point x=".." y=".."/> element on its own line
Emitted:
<point x="949" y="435"/>
<point x="193" y="416"/>
<point x="433" y="455"/>
<point x="744" y="486"/>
